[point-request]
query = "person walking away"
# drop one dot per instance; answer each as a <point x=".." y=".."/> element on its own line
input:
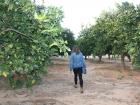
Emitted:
<point x="78" y="66"/>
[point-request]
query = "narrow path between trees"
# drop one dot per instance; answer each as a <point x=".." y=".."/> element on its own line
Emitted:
<point x="104" y="84"/>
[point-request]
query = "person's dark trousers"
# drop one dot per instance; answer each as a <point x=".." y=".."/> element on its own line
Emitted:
<point x="78" y="73"/>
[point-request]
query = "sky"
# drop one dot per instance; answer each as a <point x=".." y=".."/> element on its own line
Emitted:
<point x="83" y="12"/>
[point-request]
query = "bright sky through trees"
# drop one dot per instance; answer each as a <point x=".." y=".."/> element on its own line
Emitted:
<point x="83" y="12"/>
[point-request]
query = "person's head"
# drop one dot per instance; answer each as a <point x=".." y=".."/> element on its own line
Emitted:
<point x="76" y="49"/>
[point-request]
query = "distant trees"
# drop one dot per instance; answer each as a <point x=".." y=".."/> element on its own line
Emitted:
<point x="115" y="32"/>
<point x="85" y="42"/>
<point x="68" y="36"/>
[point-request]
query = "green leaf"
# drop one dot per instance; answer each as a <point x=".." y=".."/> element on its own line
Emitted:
<point x="10" y="7"/>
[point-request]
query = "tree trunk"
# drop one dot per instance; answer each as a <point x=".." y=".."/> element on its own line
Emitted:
<point x="122" y="60"/>
<point x="122" y="57"/>
<point x="109" y="56"/>
<point x="100" y="58"/>
<point x="85" y="57"/>
<point x="128" y="56"/>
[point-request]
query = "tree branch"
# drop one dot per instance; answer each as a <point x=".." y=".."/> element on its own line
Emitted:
<point x="2" y="20"/>
<point x="13" y="30"/>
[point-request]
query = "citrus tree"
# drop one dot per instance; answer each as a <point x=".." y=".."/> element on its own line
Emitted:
<point x="86" y="42"/>
<point x="27" y="34"/>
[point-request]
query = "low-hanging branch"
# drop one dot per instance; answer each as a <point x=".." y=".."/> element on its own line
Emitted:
<point x="16" y="31"/>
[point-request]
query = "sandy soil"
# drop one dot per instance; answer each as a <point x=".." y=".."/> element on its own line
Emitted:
<point x="107" y="83"/>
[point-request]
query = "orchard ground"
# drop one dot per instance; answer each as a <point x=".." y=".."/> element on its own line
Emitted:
<point x="107" y="83"/>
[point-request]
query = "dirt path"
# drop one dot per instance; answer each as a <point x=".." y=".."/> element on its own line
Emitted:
<point x="104" y="84"/>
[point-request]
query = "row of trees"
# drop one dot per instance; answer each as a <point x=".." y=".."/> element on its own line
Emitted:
<point x="29" y="35"/>
<point x="116" y="32"/>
